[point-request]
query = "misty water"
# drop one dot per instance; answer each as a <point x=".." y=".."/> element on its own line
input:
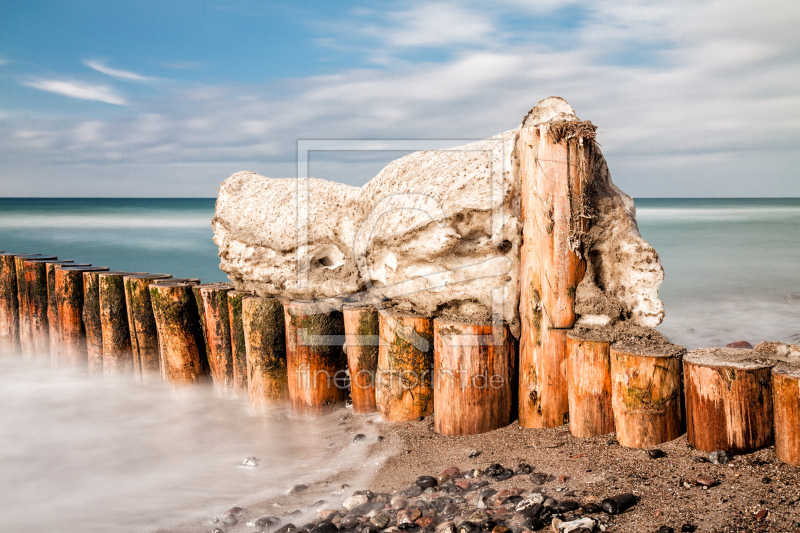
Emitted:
<point x="83" y="453"/>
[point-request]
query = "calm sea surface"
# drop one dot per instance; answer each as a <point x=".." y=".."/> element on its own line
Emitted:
<point x="78" y="453"/>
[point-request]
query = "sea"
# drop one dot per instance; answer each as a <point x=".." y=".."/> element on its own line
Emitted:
<point x="79" y="453"/>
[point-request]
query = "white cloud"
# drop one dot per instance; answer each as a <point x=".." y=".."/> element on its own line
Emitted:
<point x="81" y="90"/>
<point x="115" y="73"/>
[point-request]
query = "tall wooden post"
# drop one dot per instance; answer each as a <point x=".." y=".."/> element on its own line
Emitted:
<point x="473" y="376"/>
<point x="315" y="359"/>
<point x="180" y="336"/>
<point x="646" y="394"/>
<point x="404" y="380"/>
<point x="589" y="378"/>
<point x="9" y="305"/>
<point x="786" y="406"/>
<point x="728" y="400"/>
<point x="265" y="341"/>
<point x="555" y="174"/>
<point x="69" y="300"/>
<point x="114" y="329"/>
<point x="238" y="346"/>
<point x="363" y="338"/>
<point x="142" y="324"/>
<point x="212" y="304"/>
<point x="53" y="329"/>
<point x="24" y="298"/>
<point x="37" y="303"/>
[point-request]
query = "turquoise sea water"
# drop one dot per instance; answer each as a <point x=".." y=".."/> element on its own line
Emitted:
<point x="732" y="265"/>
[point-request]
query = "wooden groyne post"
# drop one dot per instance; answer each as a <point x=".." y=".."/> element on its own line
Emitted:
<point x="9" y="306"/>
<point x="142" y="324"/>
<point x="69" y="301"/>
<point x="53" y="329"/>
<point x="238" y="345"/>
<point x="589" y="381"/>
<point x="263" y="320"/>
<point x="361" y="327"/>
<point x="114" y="328"/>
<point x="212" y="304"/>
<point x="315" y="359"/>
<point x="555" y="173"/>
<point x="29" y="298"/>
<point x="786" y="409"/>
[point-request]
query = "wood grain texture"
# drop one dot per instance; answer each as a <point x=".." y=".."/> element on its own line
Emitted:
<point x="212" y="304"/>
<point x="238" y="345"/>
<point x="473" y="377"/>
<point x="543" y="390"/>
<point x="646" y="394"/>
<point x="264" y="326"/>
<point x="589" y="382"/>
<point x="142" y="326"/>
<point x="9" y="306"/>
<point x="728" y="400"/>
<point x="786" y="409"/>
<point x="69" y="301"/>
<point x="28" y="299"/>
<point x="361" y="327"/>
<point x="114" y="327"/>
<point x="54" y="331"/>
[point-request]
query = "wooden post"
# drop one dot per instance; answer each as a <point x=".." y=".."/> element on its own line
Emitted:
<point x="404" y="381"/>
<point x="53" y="329"/>
<point x="646" y="393"/>
<point x="179" y="334"/>
<point x="363" y="339"/>
<point x="69" y="301"/>
<point x="114" y="329"/>
<point x="24" y="302"/>
<point x="315" y="360"/>
<point x="786" y="406"/>
<point x="91" y="321"/>
<point x="9" y="306"/>
<point x="265" y="342"/>
<point x="728" y="400"/>
<point x="555" y="173"/>
<point x="238" y="346"/>
<point x="473" y="376"/>
<point x="142" y="324"/>
<point x="212" y="304"/>
<point x="37" y="341"/>
<point x="589" y="382"/>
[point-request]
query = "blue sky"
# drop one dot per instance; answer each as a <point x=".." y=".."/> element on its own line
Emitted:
<point x="168" y="98"/>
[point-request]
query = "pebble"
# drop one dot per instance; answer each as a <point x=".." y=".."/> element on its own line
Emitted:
<point x="453" y="472"/>
<point x="348" y="522"/>
<point x="494" y="470"/>
<point x="719" y="457"/>
<point x="539" y="478"/>
<point x="234" y="510"/>
<point x="688" y="528"/>
<point x="506" y="474"/>
<point x="530" y="501"/>
<point x="463" y="484"/>
<point x="567" y="506"/>
<point x="618" y="504"/>
<point x="656" y="453"/>
<point x="576" y="525"/>
<point x="591" y="508"/>
<point x="359" y="436"/>
<point x="425" y="521"/>
<point x="324" y="527"/>
<point x="230" y="520"/>
<point x="286" y="528"/>
<point x="446" y="527"/>
<point x="380" y="520"/>
<point x="398" y="503"/>
<point x="341" y="488"/>
<point x="665" y="529"/>
<point x="474" y="453"/>
<point x="297" y="488"/>
<point x="217" y="530"/>
<point x="706" y="481"/>
<point x="354" y="501"/>
<point x="442" y="478"/>
<point x="251" y="462"/>
<point x="425" y="482"/>
<point x="523" y="469"/>
<point x="766" y="479"/>
<point x="762" y="514"/>
<point x="740" y="344"/>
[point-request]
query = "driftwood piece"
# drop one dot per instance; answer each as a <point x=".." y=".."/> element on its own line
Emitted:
<point x="473" y="377"/>
<point x="589" y="381"/>
<point x="265" y="345"/>
<point x="646" y="393"/>
<point x="728" y="400"/>
<point x="361" y="327"/>
<point x="404" y="384"/>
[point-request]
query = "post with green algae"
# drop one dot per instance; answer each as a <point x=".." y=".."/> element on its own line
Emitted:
<point x="361" y="327"/>
<point x="212" y="305"/>
<point x="142" y="324"/>
<point x="69" y="300"/>
<point x="9" y="306"/>
<point x="265" y="345"/>
<point x="238" y="346"/>
<point x="114" y="328"/>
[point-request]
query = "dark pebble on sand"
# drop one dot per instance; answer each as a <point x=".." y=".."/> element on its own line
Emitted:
<point x="266" y="521"/>
<point x="380" y="520"/>
<point x="761" y="515"/>
<point x="719" y="457"/>
<point x="297" y="488"/>
<point x="494" y="470"/>
<point x="474" y="453"/>
<point x="538" y="478"/>
<point x="665" y="529"/>
<point x="504" y="475"/>
<point x="688" y="528"/>
<point x="359" y="436"/>
<point x="411" y="492"/>
<point x="350" y="521"/>
<point x="406" y="526"/>
<point x="766" y="480"/>
<point x="656" y="453"/>
<point x="324" y="527"/>
<point x="567" y="506"/>
<point x="523" y="469"/>
<point x="234" y="510"/>
<point x="591" y="508"/>
<point x="618" y="504"/>
<point x="706" y="481"/>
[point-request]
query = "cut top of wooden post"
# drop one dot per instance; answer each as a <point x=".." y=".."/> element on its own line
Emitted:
<point x="736" y="358"/>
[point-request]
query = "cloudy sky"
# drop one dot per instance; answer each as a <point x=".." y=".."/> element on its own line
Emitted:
<point x="168" y="98"/>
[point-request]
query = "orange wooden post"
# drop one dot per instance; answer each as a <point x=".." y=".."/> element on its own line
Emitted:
<point x="555" y="171"/>
<point x="114" y="328"/>
<point x="315" y="359"/>
<point x="69" y="300"/>
<point x="362" y="332"/>
<point x="728" y="400"/>
<point x="238" y="347"/>
<point x="646" y="393"/>
<point x="53" y="329"/>
<point x="473" y="376"/>
<point x="786" y="407"/>
<point x="180" y="336"/>
<point x="37" y="303"/>
<point x="589" y="381"/>
<point x="404" y="381"/>
<point x="212" y="304"/>
<point x="9" y="306"/>
<point x="91" y="321"/>
<point x="24" y="303"/>
<point x="265" y="344"/>
<point x="142" y="324"/>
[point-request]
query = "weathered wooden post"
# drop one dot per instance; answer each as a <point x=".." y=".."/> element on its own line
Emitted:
<point x="361" y="327"/>
<point x="142" y="324"/>
<point x="37" y="304"/>
<point x="404" y="381"/>
<point x="786" y="407"/>
<point x="9" y="306"/>
<point x="69" y="300"/>
<point x="212" y="304"/>
<point x="265" y="344"/>
<point x="473" y="376"/>
<point x="180" y="336"/>
<point x="53" y="329"/>
<point x="24" y="298"/>
<point x="728" y="400"/>
<point x="114" y="329"/>
<point x="238" y="347"/>
<point x="315" y="359"/>
<point x="646" y="393"/>
<point x="91" y="321"/>
<point x="589" y="380"/>
<point x="556" y="173"/>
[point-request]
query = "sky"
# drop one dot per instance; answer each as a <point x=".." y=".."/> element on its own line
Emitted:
<point x="168" y="98"/>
